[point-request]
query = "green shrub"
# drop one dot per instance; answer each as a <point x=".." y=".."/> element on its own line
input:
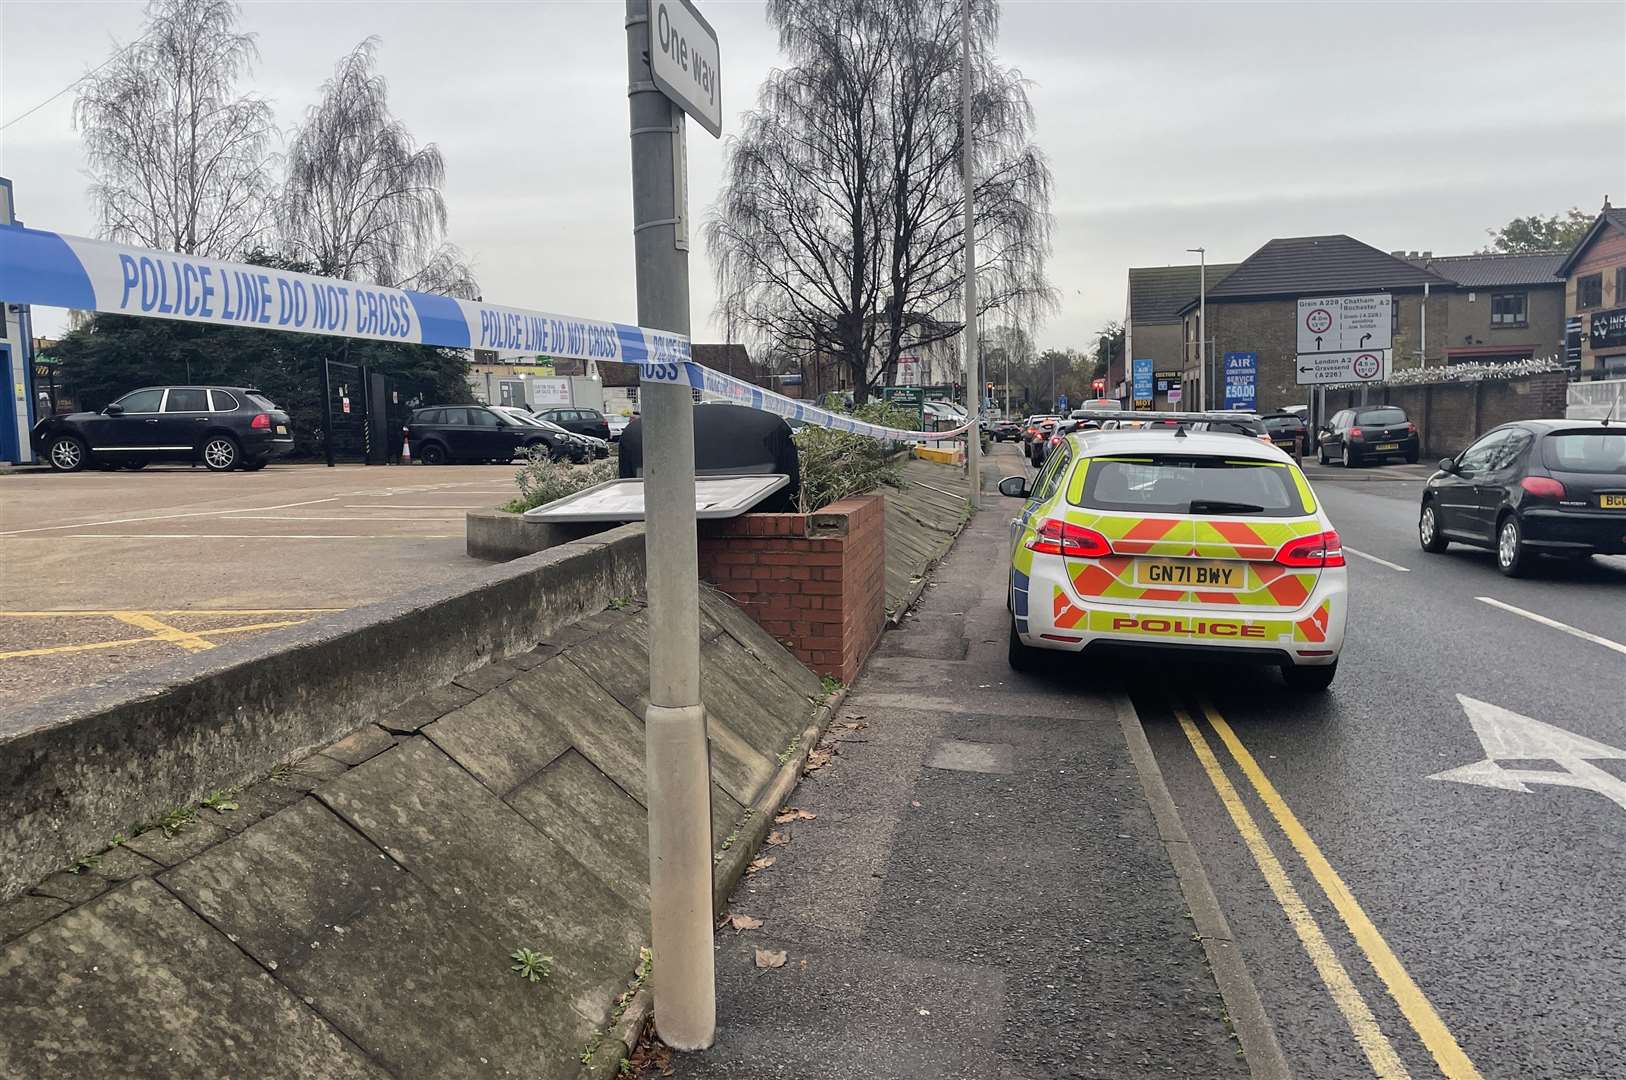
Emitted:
<point x="836" y="465"/>
<point x="542" y="481"/>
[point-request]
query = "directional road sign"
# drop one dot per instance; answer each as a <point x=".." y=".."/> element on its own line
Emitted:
<point x="1344" y="323"/>
<point x="1360" y="365"/>
<point x="683" y="59"/>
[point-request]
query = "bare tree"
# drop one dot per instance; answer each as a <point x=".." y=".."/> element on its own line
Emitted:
<point x="178" y="160"/>
<point x="362" y="199"/>
<point x="839" y="229"/>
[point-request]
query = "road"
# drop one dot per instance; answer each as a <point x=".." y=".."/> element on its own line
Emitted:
<point x="1399" y="923"/>
<point x="105" y="572"/>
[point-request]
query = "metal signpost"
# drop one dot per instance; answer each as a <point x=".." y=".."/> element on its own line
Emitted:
<point x="672" y="69"/>
<point x="973" y="438"/>
<point x="1344" y="339"/>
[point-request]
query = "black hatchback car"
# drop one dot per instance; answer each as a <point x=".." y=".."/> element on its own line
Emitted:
<point x="471" y="434"/>
<point x="224" y="427"/>
<point x="1534" y="487"/>
<point x="581" y="421"/>
<point x="1355" y="436"/>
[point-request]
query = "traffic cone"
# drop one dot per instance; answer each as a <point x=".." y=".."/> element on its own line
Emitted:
<point x="406" y="449"/>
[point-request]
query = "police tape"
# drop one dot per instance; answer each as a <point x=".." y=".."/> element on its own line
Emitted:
<point x="56" y="270"/>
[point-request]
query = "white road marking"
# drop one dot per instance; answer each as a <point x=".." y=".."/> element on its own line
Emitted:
<point x="1555" y="624"/>
<point x="259" y="536"/>
<point x="1510" y="736"/>
<point x="167" y="517"/>
<point x="1373" y="558"/>
<point x="356" y="518"/>
<point x="398" y="506"/>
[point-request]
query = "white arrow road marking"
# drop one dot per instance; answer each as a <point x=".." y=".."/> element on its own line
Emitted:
<point x="1510" y="736"/>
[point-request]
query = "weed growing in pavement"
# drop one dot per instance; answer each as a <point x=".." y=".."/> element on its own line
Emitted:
<point x="646" y="963"/>
<point x="281" y="772"/>
<point x="831" y="685"/>
<point x="790" y="750"/>
<point x="89" y="862"/>
<point x="172" y="821"/>
<point x="222" y="800"/>
<point x="620" y="603"/>
<point x="529" y="965"/>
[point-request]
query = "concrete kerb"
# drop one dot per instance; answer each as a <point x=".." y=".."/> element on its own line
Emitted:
<point x="752" y="830"/>
<point x="1253" y="1027"/>
<point x="80" y="767"/>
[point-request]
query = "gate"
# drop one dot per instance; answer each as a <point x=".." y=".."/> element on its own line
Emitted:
<point x="364" y="413"/>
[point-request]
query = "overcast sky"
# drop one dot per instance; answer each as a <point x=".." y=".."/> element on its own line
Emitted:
<point x="1405" y="125"/>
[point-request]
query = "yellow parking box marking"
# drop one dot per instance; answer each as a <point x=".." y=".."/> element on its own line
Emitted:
<point x="53" y="650"/>
<point x="71" y="613"/>
<point x="162" y="631"/>
<point x="1379" y="1051"/>
<point x="1425" y="1021"/>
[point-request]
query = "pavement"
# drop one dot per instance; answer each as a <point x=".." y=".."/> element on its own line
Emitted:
<point x="102" y="572"/>
<point x="976" y="886"/>
<point x="1476" y="919"/>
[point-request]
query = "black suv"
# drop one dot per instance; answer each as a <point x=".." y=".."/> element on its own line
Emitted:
<point x="224" y="427"/>
<point x="581" y="421"/>
<point x="477" y="433"/>
<point x="1356" y="435"/>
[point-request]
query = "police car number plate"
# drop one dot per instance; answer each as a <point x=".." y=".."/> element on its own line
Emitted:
<point x="1190" y="573"/>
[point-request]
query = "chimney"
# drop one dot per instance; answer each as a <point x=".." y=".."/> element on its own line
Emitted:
<point x="1428" y="254"/>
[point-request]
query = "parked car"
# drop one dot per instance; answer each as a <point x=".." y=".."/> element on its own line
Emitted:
<point x="1039" y="426"/>
<point x="1534" y="487"/>
<point x="1006" y="430"/>
<point x="583" y="447"/>
<point x="1064" y="428"/>
<point x="223" y="427"/>
<point x="581" y="421"/>
<point x="1288" y="431"/>
<point x="1355" y="436"/>
<point x="1236" y="423"/>
<point x="617" y="424"/>
<point x="471" y="434"/>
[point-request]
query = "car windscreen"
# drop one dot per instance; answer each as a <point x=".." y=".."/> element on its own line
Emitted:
<point x="1284" y="423"/>
<point x="1380" y="416"/>
<point x="1599" y="451"/>
<point x="1236" y="426"/>
<point x="1190" y="484"/>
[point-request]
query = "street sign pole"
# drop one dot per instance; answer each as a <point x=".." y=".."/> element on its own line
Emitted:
<point x="973" y="437"/>
<point x="677" y="762"/>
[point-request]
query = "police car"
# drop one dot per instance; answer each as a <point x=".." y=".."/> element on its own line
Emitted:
<point x="1176" y="539"/>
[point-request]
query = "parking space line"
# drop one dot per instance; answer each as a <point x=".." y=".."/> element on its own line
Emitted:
<point x="1373" y="558"/>
<point x="1554" y="623"/>
<point x="163" y="631"/>
<point x="53" y="650"/>
<point x="1379" y="1051"/>
<point x="1414" y="1004"/>
<point x="164" y="517"/>
<point x="84" y="612"/>
<point x="396" y="506"/>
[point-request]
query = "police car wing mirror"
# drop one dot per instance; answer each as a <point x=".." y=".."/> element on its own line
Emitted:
<point x="1015" y="487"/>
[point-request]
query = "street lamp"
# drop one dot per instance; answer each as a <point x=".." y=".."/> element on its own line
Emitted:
<point x="1202" y="326"/>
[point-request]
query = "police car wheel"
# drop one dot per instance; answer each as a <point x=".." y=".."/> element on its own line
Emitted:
<point x="1309" y="679"/>
<point x="1022" y="657"/>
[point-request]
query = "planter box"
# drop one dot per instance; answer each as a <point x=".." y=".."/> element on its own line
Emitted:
<point x="817" y="581"/>
<point x="498" y="536"/>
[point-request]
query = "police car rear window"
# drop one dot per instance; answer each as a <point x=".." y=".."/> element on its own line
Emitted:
<point x="1189" y="484"/>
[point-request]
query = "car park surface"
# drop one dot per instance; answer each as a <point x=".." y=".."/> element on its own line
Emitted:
<point x="107" y="572"/>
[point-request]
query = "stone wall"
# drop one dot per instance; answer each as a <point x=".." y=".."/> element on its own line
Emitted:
<point x="815" y="581"/>
<point x="1449" y="416"/>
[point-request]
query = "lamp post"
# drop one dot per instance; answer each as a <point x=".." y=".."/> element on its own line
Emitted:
<point x="973" y="436"/>
<point x="1202" y="326"/>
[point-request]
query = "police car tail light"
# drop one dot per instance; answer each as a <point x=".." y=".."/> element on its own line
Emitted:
<point x="1054" y="537"/>
<point x="1312" y="552"/>
<point x="1543" y="486"/>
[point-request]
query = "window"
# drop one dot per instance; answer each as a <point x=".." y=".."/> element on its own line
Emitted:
<point x="1620" y="286"/>
<point x="1508" y="309"/>
<point x="262" y="401"/>
<point x="1595" y="451"/>
<point x="187" y="400"/>
<point x="1190" y="484"/>
<point x="453" y="418"/>
<point x="482" y="418"/>
<point x="1589" y="291"/>
<point x="223" y="402"/>
<point x="141" y="401"/>
<point x="1386" y="417"/>
<point x="1476" y="458"/>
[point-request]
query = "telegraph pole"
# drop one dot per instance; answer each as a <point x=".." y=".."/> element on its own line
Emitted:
<point x="1208" y="401"/>
<point x="973" y="396"/>
<point x="677" y="761"/>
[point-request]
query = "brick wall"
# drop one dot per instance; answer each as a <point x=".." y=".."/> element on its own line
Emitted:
<point x="815" y="581"/>
<point x="1449" y="416"/>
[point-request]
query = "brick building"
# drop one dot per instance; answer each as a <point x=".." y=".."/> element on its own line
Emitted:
<point x="1504" y="308"/>
<point x="1157" y="294"/>
<point x="1594" y="276"/>
<point x="1255" y="309"/>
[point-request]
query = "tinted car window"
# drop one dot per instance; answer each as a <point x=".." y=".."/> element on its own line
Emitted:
<point x="1380" y="416"/>
<point x="223" y="402"/>
<point x="429" y="416"/>
<point x="1172" y="484"/>
<point x="263" y="402"/>
<point x="481" y="418"/>
<point x="1477" y="456"/>
<point x="187" y="400"/>
<point x="141" y="401"/>
<point x="1236" y="426"/>
<point x="1284" y="423"/>
<point x="1586" y="452"/>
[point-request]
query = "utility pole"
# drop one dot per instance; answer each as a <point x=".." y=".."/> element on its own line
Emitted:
<point x="973" y="437"/>
<point x="677" y="760"/>
<point x="1202" y="326"/>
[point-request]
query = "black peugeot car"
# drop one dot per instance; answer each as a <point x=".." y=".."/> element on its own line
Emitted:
<point x="1534" y="487"/>
<point x="224" y="427"/>
<point x="471" y="434"/>
<point x="1356" y="436"/>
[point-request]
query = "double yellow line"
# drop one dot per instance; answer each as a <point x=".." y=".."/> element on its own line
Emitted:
<point x="1414" y="1005"/>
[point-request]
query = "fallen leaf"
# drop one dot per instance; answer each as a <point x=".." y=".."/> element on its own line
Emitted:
<point x="853" y="725"/>
<point x="770" y="958"/>
<point x="804" y="965"/>
<point x="855" y="716"/>
<point x="776" y="838"/>
<point x="914" y="804"/>
<point x="790" y="813"/>
<point x="744" y="922"/>
<point x="818" y="759"/>
<point x="761" y="862"/>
